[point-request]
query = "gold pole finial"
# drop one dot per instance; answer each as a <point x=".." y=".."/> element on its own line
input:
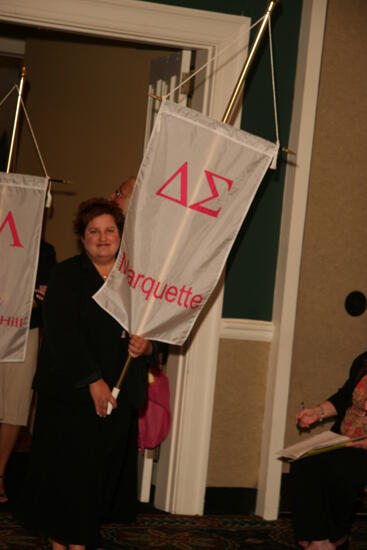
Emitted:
<point x="157" y="97"/>
<point x="287" y="151"/>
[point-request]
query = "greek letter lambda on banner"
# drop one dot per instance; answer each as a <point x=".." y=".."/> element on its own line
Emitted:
<point x="10" y="220"/>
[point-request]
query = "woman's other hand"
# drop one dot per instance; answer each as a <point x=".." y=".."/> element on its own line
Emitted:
<point x="139" y="346"/>
<point x="41" y="292"/>
<point x="101" y="395"/>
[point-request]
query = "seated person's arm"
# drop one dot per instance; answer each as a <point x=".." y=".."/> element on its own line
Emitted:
<point x="306" y="417"/>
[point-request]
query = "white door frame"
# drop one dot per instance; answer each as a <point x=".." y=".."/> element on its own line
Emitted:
<point x="184" y="491"/>
<point x="290" y="252"/>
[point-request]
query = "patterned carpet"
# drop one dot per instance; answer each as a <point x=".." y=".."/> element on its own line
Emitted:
<point x="167" y="532"/>
<point x="155" y="529"/>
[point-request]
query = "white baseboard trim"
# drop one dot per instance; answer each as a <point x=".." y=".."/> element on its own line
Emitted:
<point x="247" y="329"/>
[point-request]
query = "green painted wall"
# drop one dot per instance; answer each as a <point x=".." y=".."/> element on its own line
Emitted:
<point x="251" y="266"/>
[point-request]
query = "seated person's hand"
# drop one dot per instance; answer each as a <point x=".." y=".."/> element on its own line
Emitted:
<point x="139" y="346"/>
<point x="359" y="444"/>
<point x="306" y="417"/>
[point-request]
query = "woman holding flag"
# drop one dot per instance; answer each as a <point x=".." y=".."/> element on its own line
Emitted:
<point x="77" y="462"/>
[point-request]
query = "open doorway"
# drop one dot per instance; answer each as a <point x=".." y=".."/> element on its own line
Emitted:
<point x="89" y="105"/>
<point x="87" y="100"/>
<point x="183" y="487"/>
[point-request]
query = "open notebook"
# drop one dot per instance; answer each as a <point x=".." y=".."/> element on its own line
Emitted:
<point x="321" y="442"/>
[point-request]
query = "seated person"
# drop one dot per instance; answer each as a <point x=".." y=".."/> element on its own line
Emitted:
<point x="325" y="486"/>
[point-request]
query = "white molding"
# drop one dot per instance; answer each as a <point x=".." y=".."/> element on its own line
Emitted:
<point x="12" y="47"/>
<point x="290" y="252"/>
<point x="192" y="463"/>
<point x="183" y="481"/>
<point x="129" y="19"/>
<point x="151" y="23"/>
<point x="145" y="469"/>
<point x="247" y="329"/>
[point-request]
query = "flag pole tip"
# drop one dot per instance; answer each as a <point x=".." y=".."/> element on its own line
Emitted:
<point x="57" y="180"/>
<point x="158" y="97"/>
<point x="287" y="151"/>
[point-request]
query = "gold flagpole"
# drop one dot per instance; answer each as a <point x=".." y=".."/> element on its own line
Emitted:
<point x="226" y="117"/>
<point x="15" y="127"/>
<point x="123" y="373"/>
<point x="16" y="118"/>
<point x="241" y="80"/>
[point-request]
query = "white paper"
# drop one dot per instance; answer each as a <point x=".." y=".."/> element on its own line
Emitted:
<point x="318" y="441"/>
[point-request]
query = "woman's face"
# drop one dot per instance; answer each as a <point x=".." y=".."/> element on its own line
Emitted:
<point x="101" y="239"/>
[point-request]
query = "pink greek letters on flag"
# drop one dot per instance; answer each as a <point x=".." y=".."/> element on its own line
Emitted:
<point x="193" y="191"/>
<point x="22" y="200"/>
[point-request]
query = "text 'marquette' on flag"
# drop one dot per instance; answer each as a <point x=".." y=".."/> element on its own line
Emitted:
<point x="194" y="188"/>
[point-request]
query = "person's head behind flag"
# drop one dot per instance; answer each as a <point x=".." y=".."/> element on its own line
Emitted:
<point x="121" y="196"/>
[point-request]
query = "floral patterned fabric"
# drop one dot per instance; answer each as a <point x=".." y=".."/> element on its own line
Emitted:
<point x="355" y="420"/>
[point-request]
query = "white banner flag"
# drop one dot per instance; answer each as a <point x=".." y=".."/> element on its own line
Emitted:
<point x="194" y="188"/>
<point x="22" y="200"/>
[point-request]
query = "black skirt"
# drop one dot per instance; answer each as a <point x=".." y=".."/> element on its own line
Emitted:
<point x="324" y="491"/>
<point x="82" y="468"/>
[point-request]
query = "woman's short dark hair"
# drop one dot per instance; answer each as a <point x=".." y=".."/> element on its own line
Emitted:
<point x="90" y="209"/>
